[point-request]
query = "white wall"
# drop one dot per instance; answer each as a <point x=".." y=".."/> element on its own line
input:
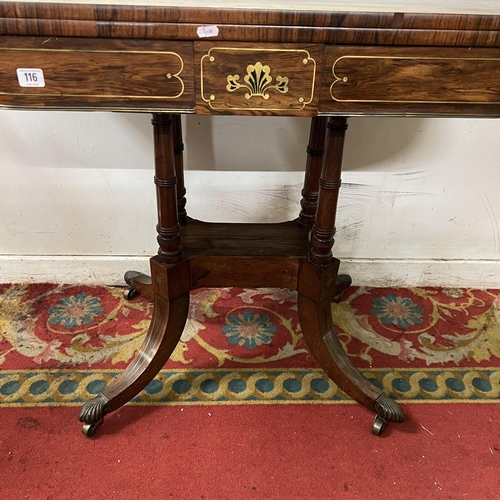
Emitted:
<point x="420" y="202"/>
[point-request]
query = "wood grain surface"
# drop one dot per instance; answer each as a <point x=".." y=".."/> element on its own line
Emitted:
<point x="257" y="78"/>
<point x="432" y="6"/>
<point x="475" y="25"/>
<point x="233" y="239"/>
<point x="83" y="73"/>
<point x="388" y="79"/>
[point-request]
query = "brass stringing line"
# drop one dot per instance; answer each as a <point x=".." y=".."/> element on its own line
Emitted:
<point x="99" y="108"/>
<point x="104" y="96"/>
<point x="309" y="58"/>
<point x="415" y="58"/>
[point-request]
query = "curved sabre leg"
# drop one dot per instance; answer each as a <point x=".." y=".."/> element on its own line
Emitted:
<point x="169" y="284"/>
<point x="163" y="335"/>
<point x="314" y="305"/>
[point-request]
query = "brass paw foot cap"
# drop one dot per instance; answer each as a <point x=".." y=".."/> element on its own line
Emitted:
<point x="95" y="409"/>
<point x="388" y="409"/>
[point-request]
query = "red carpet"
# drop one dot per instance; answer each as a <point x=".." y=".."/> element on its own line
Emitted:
<point x="242" y="411"/>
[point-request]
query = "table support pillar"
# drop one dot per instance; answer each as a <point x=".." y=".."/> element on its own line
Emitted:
<point x="315" y="153"/>
<point x="168" y="286"/>
<point x="316" y="279"/>
<point x="319" y="282"/>
<point x="179" y="169"/>
<point x="168" y="228"/>
<point x="323" y="229"/>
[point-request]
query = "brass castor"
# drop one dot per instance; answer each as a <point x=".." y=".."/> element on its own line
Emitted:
<point x="378" y="425"/>
<point x="139" y="284"/>
<point x="89" y="430"/>
<point x="130" y="293"/>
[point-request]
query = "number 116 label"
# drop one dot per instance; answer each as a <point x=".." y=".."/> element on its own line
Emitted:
<point x="30" y="77"/>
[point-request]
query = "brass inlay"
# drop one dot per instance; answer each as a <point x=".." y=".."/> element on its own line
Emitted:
<point x="345" y="79"/>
<point x="104" y="96"/>
<point x="97" y="108"/>
<point x="258" y="79"/>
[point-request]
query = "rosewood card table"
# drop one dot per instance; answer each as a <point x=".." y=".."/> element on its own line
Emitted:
<point x="323" y="59"/>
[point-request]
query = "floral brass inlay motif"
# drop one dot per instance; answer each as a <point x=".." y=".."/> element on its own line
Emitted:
<point x="257" y="81"/>
<point x="223" y="91"/>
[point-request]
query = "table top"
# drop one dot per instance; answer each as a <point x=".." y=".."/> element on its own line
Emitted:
<point x="485" y="7"/>
<point x="222" y="56"/>
<point x="444" y="23"/>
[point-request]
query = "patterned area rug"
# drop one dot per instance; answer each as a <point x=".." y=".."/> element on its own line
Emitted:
<point x="61" y="344"/>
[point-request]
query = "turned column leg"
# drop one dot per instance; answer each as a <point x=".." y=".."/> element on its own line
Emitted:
<point x="315" y="152"/>
<point x="168" y="228"/>
<point x="168" y="166"/>
<point x="325" y="178"/>
<point x="323" y="229"/>
<point x="179" y="169"/>
<point x="169" y="287"/>
<point x="319" y="281"/>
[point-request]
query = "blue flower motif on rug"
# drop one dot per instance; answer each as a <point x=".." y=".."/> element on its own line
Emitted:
<point x="76" y="310"/>
<point x="249" y="329"/>
<point x="399" y="311"/>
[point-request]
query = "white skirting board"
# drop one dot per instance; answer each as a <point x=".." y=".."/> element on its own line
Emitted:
<point x="104" y="270"/>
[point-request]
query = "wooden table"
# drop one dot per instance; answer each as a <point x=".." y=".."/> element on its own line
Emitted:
<point x="323" y="59"/>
